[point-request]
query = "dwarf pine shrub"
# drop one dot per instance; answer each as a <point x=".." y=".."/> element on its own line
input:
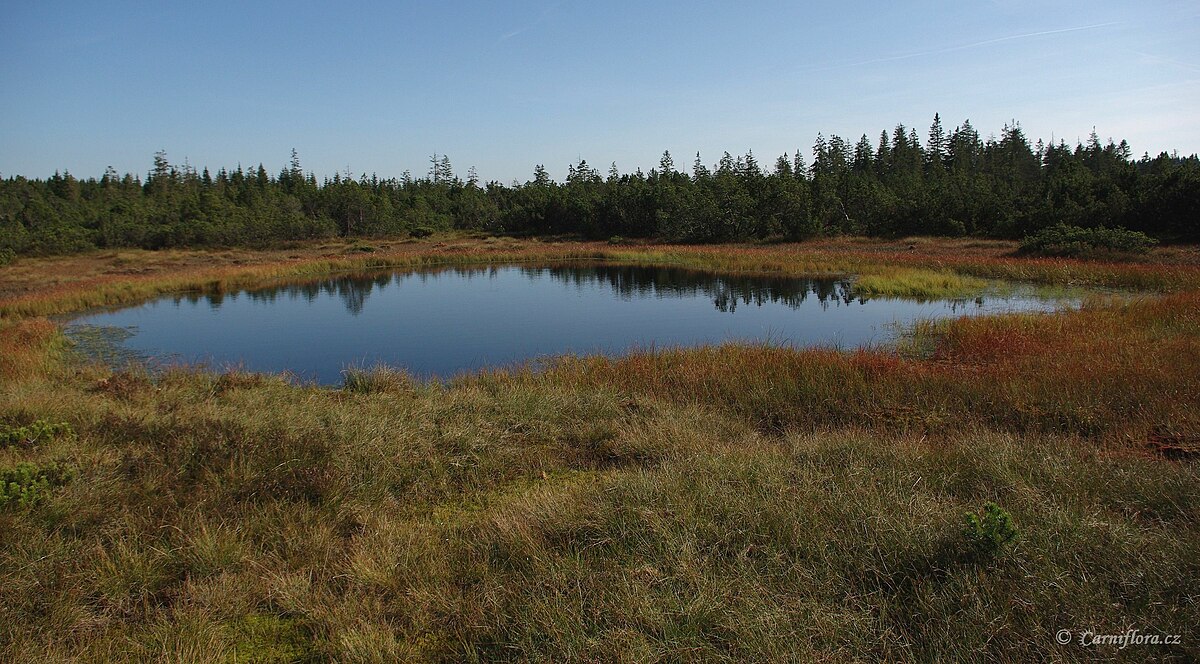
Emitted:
<point x="1075" y="242"/>
<point x="988" y="535"/>
<point x="27" y="484"/>
<point x="37" y="432"/>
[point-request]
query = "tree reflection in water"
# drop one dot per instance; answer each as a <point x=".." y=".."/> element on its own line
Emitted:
<point x="627" y="282"/>
<point x="726" y="291"/>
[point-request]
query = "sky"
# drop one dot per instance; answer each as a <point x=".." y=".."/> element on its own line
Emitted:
<point x="366" y="87"/>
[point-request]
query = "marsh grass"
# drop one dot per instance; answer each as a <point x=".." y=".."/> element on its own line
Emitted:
<point x="736" y="503"/>
<point x="921" y="284"/>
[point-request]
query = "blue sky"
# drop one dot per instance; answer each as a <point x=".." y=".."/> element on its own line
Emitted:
<point x="378" y="87"/>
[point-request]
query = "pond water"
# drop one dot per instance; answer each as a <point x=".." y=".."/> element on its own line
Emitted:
<point x="442" y="322"/>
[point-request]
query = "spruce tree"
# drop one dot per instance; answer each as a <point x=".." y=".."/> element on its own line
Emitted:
<point x="936" y="153"/>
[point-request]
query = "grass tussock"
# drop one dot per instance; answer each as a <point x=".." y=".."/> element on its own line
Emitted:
<point x="377" y="379"/>
<point x="738" y="503"/>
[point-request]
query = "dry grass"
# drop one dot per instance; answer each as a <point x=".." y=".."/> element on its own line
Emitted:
<point x="739" y="503"/>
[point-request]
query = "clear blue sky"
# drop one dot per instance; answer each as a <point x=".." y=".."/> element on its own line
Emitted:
<point x="378" y="87"/>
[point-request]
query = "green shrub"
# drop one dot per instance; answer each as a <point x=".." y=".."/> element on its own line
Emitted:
<point x="7" y="256"/>
<point x="37" y="432"/>
<point x="988" y="535"/>
<point x="421" y="231"/>
<point x="27" y="484"/>
<point x="1076" y="242"/>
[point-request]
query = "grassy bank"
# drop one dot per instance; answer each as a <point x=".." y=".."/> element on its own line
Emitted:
<point x="743" y="503"/>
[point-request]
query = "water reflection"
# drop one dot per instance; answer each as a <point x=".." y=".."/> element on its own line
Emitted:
<point x="352" y="290"/>
<point x="727" y="292"/>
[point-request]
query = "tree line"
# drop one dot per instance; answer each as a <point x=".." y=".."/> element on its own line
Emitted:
<point x="952" y="183"/>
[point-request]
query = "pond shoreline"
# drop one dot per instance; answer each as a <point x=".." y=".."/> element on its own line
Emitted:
<point x="449" y="320"/>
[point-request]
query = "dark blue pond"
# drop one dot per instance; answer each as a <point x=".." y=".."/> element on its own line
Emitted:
<point x="453" y="320"/>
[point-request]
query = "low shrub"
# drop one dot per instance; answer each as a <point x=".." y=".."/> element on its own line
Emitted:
<point x="37" y="432"/>
<point x="990" y="534"/>
<point x="27" y="484"/>
<point x="1075" y="242"/>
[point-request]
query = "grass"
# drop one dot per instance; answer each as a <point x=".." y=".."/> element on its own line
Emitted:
<point x="918" y="283"/>
<point x="740" y="503"/>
